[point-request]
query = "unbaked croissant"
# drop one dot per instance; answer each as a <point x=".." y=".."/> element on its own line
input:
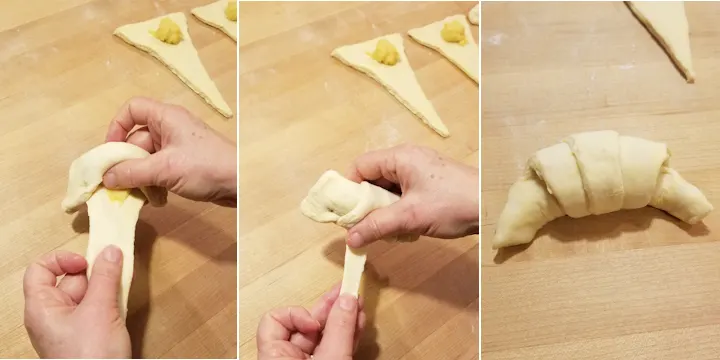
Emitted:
<point x="595" y="173"/>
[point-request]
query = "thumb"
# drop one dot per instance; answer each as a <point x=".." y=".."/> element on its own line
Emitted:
<point x="392" y="220"/>
<point x="136" y="173"/>
<point x="104" y="282"/>
<point x="338" y="338"/>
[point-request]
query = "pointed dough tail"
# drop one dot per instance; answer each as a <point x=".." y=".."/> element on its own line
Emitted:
<point x="679" y="198"/>
<point x="529" y="207"/>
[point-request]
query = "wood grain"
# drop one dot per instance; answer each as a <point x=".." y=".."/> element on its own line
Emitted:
<point x="63" y="78"/>
<point x="304" y="112"/>
<point x="627" y="285"/>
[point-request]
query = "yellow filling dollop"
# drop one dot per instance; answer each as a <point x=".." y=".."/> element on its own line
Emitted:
<point x="118" y="196"/>
<point x="231" y="11"/>
<point x="454" y="32"/>
<point x="385" y="53"/>
<point x="168" y="32"/>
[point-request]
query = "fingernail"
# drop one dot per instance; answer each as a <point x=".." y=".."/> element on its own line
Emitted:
<point x="355" y="240"/>
<point x="110" y="180"/>
<point x="112" y="253"/>
<point x="347" y="302"/>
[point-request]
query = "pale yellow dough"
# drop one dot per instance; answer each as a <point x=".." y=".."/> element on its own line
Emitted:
<point x="668" y="24"/>
<point x="113" y="214"/>
<point x="474" y="15"/>
<point x="595" y="173"/>
<point x="336" y="199"/>
<point x="182" y="59"/>
<point x="214" y="15"/>
<point x="466" y="57"/>
<point x="398" y="79"/>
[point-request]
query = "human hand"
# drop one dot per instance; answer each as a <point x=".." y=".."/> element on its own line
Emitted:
<point x="188" y="157"/>
<point x="440" y="197"/>
<point x="330" y="331"/>
<point x="75" y="319"/>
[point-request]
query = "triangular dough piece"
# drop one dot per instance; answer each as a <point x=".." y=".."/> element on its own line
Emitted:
<point x="466" y="57"/>
<point x="667" y="23"/>
<point x="182" y="59"/>
<point x="214" y="15"/>
<point x="398" y="79"/>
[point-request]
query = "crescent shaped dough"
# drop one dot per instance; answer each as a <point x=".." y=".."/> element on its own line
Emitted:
<point x="595" y="173"/>
<point x="113" y="213"/>
<point x="465" y="57"/>
<point x="213" y="14"/>
<point x="336" y="199"/>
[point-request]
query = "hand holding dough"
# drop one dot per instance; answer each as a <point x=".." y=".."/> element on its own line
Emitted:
<point x="113" y="213"/>
<point x="595" y="173"/>
<point x="336" y="199"/>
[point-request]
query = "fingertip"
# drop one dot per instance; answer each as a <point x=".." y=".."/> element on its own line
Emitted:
<point x="355" y="239"/>
<point x="110" y="179"/>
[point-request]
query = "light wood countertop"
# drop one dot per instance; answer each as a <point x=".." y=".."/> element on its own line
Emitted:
<point x="64" y="76"/>
<point x="628" y="285"/>
<point x="303" y="112"/>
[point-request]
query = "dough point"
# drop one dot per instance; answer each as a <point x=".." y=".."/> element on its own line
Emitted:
<point x="595" y="173"/>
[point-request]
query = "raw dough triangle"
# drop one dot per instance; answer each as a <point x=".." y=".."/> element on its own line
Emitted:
<point x="182" y="59"/>
<point x="399" y="79"/>
<point x="214" y="15"/>
<point x="667" y="23"/>
<point x="466" y="57"/>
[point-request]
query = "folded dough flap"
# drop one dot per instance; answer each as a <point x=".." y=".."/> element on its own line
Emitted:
<point x="597" y="154"/>
<point x="87" y="171"/>
<point x="331" y="197"/>
<point x="529" y="207"/>
<point x="679" y="198"/>
<point x="557" y="167"/>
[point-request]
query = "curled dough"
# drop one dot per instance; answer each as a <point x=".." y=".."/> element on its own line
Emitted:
<point x="595" y="173"/>
<point x="113" y="214"/>
<point x="86" y="174"/>
<point x="336" y="199"/>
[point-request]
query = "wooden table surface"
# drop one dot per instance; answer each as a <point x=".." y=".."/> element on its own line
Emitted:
<point x="64" y="76"/>
<point x="627" y="285"/>
<point x="304" y="112"/>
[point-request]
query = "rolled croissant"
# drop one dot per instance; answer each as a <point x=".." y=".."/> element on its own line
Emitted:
<point x="595" y="173"/>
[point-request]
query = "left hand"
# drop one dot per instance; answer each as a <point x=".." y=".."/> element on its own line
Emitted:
<point x="330" y="331"/>
<point x="75" y="318"/>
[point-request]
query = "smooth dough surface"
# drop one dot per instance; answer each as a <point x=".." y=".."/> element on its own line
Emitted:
<point x="474" y="15"/>
<point x="465" y="57"/>
<point x="214" y="15"/>
<point x="667" y="22"/>
<point x="398" y="79"/>
<point x="595" y="173"/>
<point x="336" y="199"/>
<point x="87" y="171"/>
<point x="182" y="59"/>
<point x="113" y="223"/>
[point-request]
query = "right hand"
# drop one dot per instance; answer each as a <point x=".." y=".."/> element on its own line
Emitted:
<point x="187" y="157"/>
<point x="331" y="330"/>
<point x="440" y="197"/>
